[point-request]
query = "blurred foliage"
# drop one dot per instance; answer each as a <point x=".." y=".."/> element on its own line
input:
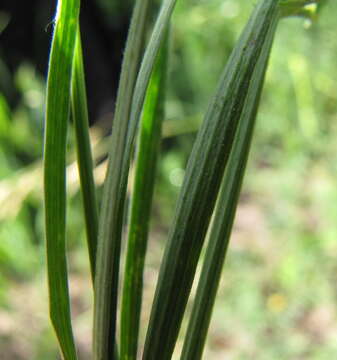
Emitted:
<point x="278" y="294"/>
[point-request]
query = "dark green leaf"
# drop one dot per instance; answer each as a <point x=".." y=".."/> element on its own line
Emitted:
<point x="111" y="217"/>
<point x="148" y="147"/>
<point x="57" y="116"/>
<point x="85" y="165"/>
<point x="202" y="181"/>
<point x="224" y="214"/>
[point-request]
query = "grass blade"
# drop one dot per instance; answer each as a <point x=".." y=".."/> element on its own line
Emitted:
<point x="202" y="181"/>
<point x="114" y="194"/>
<point x="111" y="217"/>
<point x="224" y="215"/>
<point x="84" y="156"/>
<point x="145" y="71"/>
<point x="148" y="147"/>
<point x="57" y="116"/>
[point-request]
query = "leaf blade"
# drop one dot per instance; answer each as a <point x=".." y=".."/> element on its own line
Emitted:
<point x="84" y="155"/>
<point x="112" y="210"/>
<point x="224" y="215"/>
<point x="57" y="115"/>
<point x="203" y="176"/>
<point x="115" y="188"/>
<point x="148" y="147"/>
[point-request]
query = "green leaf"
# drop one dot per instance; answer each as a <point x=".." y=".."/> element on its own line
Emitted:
<point x="111" y="216"/>
<point x="84" y="155"/>
<point x="145" y="71"/>
<point x="202" y="181"/>
<point x="57" y="116"/>
<point x="147" y="153"/>
<point x="225" y="212"/>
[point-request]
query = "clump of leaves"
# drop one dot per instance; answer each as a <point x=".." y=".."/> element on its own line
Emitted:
<point x="211" y="185"/>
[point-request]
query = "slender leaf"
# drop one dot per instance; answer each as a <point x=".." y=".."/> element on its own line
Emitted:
<point x="145" y="71"/>
<point x="57" y="116"/>
<point x="85" y="163"/>
<point x="111" y="217"/>
<point x="203" y="176"/>
<point x="147" y="153"/>
<point x="115" y="188"/>
<point x="224" y="215"/>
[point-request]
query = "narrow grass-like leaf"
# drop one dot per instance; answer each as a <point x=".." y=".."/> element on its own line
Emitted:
<point x="145" y="71"/>
<point x="147" y="153"/>
<point x="84" y="155"/>
<point x="57" y="117"/>
<point x="203" y="176"/>
<point x="225" y="212"/>
<point x="114" y="191"/>
<point x="111" y="217"/>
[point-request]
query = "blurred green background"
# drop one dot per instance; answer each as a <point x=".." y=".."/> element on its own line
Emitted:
<point x="278" y="294"/>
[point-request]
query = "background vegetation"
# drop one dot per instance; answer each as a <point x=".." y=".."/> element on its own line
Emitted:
<point x="278" y="293"/>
